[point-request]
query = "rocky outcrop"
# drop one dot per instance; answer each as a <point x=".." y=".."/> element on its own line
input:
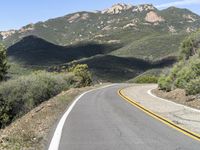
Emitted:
<point x="85" y="16"/>
<point x="5" y="34"/>
<point x="141" y="8"/>
<point x="73" y="18"/>
<point x="153" y="17"/>
<point x="77" y="17"/>
<point x="117" y="9"/>
<point x="189" y="29"/>
<point x="189" y="18"/>
<point x="26" y="28"/>
<point x="171" y="29"/>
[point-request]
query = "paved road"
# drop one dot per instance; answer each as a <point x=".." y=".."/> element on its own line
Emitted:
<point x="101" y="120"/>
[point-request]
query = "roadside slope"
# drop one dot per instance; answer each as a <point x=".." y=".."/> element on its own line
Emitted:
<point x="40" y="122"/>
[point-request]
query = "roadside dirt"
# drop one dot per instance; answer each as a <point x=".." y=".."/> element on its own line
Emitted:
<point x="178" y="96"/>
<point x="30" y="131"/>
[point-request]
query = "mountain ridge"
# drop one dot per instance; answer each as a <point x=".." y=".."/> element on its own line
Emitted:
<point x="87" y="16"/>
<point x="121" y="32"/>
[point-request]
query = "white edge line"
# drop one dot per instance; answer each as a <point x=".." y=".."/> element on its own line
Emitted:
<point x="55" y="141"/>
<point x="185" y="107"/>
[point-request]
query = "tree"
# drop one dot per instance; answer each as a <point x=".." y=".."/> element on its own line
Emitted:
<point x="82" y="71"/>
<point x="3" y="62"/>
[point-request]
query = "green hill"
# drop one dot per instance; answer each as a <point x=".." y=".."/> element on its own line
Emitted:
<point x="35" y="51"/>
<point x="118" y="69"/>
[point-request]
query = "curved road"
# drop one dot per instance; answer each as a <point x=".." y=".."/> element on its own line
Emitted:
<point x="102" y="120"/>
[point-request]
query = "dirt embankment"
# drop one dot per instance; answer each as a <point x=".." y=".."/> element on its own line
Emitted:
<point x="31" y="131"/>
<point x="179" y="96"/>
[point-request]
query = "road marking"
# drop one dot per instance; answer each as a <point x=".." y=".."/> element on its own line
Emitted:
<point x="192" y="109"/>
<point x="55" y="141"/>
<point x="160" y="118"/>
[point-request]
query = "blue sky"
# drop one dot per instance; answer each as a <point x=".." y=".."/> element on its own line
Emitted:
<point x="17" y="13"/>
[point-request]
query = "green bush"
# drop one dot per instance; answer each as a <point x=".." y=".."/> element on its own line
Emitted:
<point x="82" y="71"/>
<point x="20" y="95"/>
<point x="185" y="74"/>
<point x="165" y="83"/>
<point x="146" y="79"/>
<point x="190" y="46"/>
<point x="3" y="62"/>
<point x="193" y="87"/>
<point x="186" y="48"/>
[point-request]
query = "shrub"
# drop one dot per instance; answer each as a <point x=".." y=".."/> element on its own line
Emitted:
<point x="19" y="96"/>
<point x="186" y="48"/>
<point x="3" y="62"/>
<point x="190" y="46"/>
<point x="81" y="71"/>
<point x="185" y="74"/>
<point x="146" y="79"/>
<point x="193" y="87"/>
<point x="165" y="83"/>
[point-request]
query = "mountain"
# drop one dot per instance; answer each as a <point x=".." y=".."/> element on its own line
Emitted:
<point x="120" y="33"/>
<point x="136" y="27"/>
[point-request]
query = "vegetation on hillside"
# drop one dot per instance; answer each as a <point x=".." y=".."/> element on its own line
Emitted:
<point x="3" y="62"/>
<point x="118" y="69"/>
<point x="145" y="79"/>
<point x="20" y="95"/>
<point x="186" y="73"/>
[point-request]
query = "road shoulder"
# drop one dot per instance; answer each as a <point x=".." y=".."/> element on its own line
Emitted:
<point x="186" y="117"/>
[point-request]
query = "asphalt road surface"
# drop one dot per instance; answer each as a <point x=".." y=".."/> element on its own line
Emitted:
<point x="102" y="120"/>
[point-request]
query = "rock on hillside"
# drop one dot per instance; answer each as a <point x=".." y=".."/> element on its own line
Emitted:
<point x="5" y="34"/>
<point x="117" y="8"/>
<point x="153" y="17"/>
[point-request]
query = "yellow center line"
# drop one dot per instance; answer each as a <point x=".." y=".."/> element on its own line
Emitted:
<point x="160" y="118"/>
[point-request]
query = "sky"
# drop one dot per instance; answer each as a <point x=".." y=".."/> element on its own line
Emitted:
<point x="17" y="13"/>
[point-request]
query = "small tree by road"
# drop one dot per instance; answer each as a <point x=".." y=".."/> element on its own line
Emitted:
<point x="3" y="62"/>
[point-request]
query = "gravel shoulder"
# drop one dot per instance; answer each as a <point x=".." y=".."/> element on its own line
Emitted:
<point x="184" y="116"/>
<point x="31" y="132"/>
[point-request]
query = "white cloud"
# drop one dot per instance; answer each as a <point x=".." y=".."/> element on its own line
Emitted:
<point x="179" y="3"/>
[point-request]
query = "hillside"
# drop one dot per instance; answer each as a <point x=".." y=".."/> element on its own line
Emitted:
<point x="35" y="51"/>
<point x="186" y="73"/>
<point x="136" y="27"/>
<point x="118" y="69"/>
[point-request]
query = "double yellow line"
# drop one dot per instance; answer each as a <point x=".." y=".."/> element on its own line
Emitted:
<point x="160" y="118"/>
